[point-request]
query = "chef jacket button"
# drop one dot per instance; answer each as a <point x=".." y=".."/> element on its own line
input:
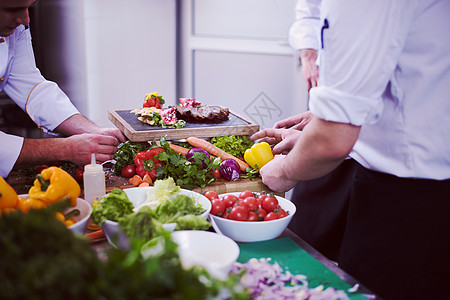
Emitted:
<point x="2" y="79"/>
<point x="2" y="40"/>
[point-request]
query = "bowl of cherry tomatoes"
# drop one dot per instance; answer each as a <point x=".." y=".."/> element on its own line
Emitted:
<point x="249" y="217"/>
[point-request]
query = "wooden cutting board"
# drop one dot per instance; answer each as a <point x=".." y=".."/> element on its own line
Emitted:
<point x="137" y="131"/>
<point x="220" y="186"/>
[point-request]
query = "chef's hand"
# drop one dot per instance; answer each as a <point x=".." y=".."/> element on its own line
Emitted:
<point x="310" y="70"/>
<point x="272" y="175"/>
<point x="281" y="140"/>
<point x="297" y="122"/>
<point x="83" y="145"/>
<point x="114" y="132"/>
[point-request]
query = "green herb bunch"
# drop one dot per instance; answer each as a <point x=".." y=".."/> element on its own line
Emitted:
<point x="125" y="154"/>
<point x="186" y="174"/>
<point x="232" y="144"/>
<point x="42" y="259"/>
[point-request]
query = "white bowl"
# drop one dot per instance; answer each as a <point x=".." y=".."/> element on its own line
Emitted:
<point x="241" y="231"/>
<point x="137" y="196"/>
<point x="216" y="253"/>
<point x="81" y="220"/>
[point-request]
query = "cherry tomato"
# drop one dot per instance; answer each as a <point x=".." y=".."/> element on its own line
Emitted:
<point x="211" y="195"/>
<point x="252" y="216"/>
<point x="216" y="173"/>
<point x="218" y="207"/>
<point x="270" y="203"/>
<point x="251" y="202"/>
<point x="79" y="172"/>
<point x="245" y="194"/>
<point x="262" y="213"/>
<point x="260" y="198"/>
<point x="271" y="216"/>
<point x="229" y="200"/>
<point x="238" y="213"/>
<point x="282" y="213"/>
<point x="243" y="203"/>
<point x="128" y="171"/>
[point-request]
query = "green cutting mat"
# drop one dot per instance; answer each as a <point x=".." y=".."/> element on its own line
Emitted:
<point x="292" y="257"/>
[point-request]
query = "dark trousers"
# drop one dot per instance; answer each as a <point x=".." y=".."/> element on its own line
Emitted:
<point x="322" y="206"/>
<point x="397" y="238"/>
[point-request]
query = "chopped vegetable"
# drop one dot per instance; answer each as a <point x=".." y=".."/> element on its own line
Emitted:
<point x="232" y="144"/>
<point x="229" y="169"/>
<point x="267" y="281"/>
<point x="136" y="180"/>
<point x="196" y="142"/>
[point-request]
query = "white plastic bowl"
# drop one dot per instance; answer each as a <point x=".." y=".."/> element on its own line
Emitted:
<point x="216" y="253"/>
<point x="241" y="231"/>
<point x="138" y="195"/>
<point x="82" y="219"/>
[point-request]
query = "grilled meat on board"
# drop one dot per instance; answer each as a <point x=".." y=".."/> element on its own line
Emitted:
<point x="202" y="114"/>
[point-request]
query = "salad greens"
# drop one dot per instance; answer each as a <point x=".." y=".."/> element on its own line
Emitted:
<point x="164" y="189"/>
<point x="112" y="207"/>
<point x="164" y="205"/>
<point x="233" y="144"/>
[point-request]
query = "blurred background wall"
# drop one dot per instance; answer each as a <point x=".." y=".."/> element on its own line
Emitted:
<point x="106" y="54"/>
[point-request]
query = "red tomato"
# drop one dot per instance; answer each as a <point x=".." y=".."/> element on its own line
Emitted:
<point x="271" y="216"/>
<point x="246" y="194"/>
<point x="252" y="216"/>
<point x="216" y="173"/>
<point x="128" y="171"/>
<point x="270" y="203"/>
<point x="260" y="198"/>
<point x="251" y="202"/>
<point x="211" y="195"/>
<point x="243" y="203"/>
<point x="282" y="213"/>
<point x="238" y="213"/>
<point x="218" y="207"/>
<point x="79" y="174"/>
<point x="229" y="200"/>
<point x="262" y="213"/>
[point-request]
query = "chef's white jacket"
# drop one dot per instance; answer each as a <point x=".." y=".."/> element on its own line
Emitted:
<point x="303" y="33"/>
<point x="43" y="100"/>
<point x="385" y="65"/>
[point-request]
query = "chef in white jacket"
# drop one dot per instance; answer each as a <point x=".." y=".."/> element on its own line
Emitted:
<point x="383" y="99"/>
<point x="44" y="102"/>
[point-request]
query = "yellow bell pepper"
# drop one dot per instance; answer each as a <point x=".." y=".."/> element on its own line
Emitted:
<point x="25" y="204"/>
<point x="258" y="155"/>
<point x="53" y="185"/>
<point x="8" y="196"/>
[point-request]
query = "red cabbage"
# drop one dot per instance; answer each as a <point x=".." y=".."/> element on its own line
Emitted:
<point x="229" y="169"/>
<point x="190" y="155"/>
